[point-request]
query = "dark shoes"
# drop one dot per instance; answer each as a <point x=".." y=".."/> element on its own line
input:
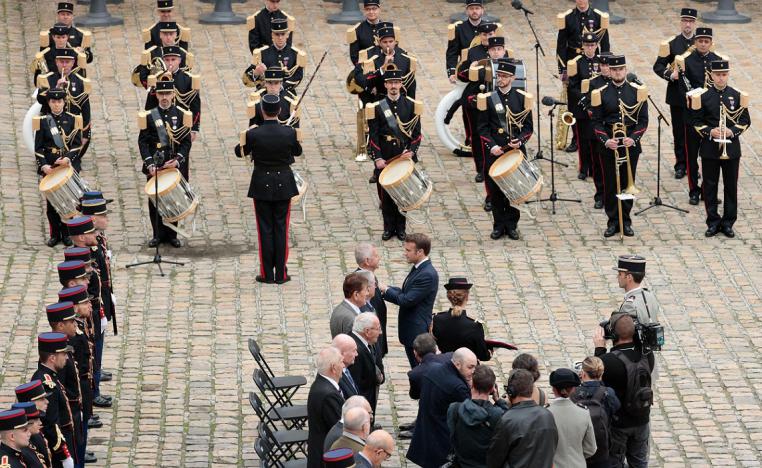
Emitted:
<point x="572" y="147"/>
<point x="728" y="231"/>
<point x="598" y="204"/>
<point x="106" y="376"/>
<point x="401" y="235"/>
<point x="67" y="241"/>
<point x="610" y="231"/>
<point x="262" y="279"/>
<point x="487" y="205"/>
<point x="386" y="235"/>
<point x="283" y="280"/>
<point x="93" y="423"/>
<point x="176" y="243"/>
<point x="407" y="426"/>
<point x="90" y="457"/>
<point x="712" y="231"/>
<point x="512" y="234"/>
<point x="581" y="176"/>
<point x="53" y="241"/>
<point x="679" y="173"/>
<point x="479" y="177"/>
<point x="405" y="435"/>
<point x="496" y="234"/>
<point x="460" y="153"/>
<point x="102" y="402"/>
<point x="153" y="242"/>
<point x="628" y="231"/>
<point x="373" y="179"/>
<point x="693" y="198"/>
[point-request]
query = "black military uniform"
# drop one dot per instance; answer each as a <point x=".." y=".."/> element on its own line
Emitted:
<point x="272" y="147"/>
<point x="177" y="123"/>
<point x="460" y="36"/>
<point x="695" y="68"/>
<point x="503" y="118"/>
<point x="58" y="418"/>
<point x="363" y="35"/>
<point x="453" y="331"/>
<point x="291" y="59"/>
<point x="78" y="38"/>
<point x="394" y="127"/>
<point x="102" y="253"/>
<point x="287" y="101"/>
<point x="29" y="393"/>
<point x="57" y="136"/>
<point x="706" y="113"/>
<point x="187" y="88"/>
<point x="605" y="103"/>
<point x="45" y="60"/>
<point x="372" y="70"/>
<point x="587" y="86"/>
<point x="572" y="24"/>
<point x="260" y="32"/>
<point x="151" y="66"/>
<point x="151" y="36"/>
<point x="37" y="454"/>
<point x="9" y="421"/>
<point x="582" y="68"/>
<point x="663" y="68"/>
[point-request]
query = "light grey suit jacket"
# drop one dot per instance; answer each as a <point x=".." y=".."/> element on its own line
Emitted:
<point x="342" y="319"/>
<point x="576" y="437"/>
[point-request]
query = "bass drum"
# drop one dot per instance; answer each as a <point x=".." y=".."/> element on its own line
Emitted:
<point x="27" y="129"/>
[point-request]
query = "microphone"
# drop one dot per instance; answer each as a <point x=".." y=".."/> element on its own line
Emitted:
<point x="551" y="101"/>
<point x="633" y="78"/>
<point x="517" y="5"/>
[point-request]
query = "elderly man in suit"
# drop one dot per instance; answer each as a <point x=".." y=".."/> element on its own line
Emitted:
<point x="356" y="430"/>
<point x="417" y="295"/>
<point x="378" y="448"/>
<point x="368" y="368"/>
<point x="348" y="349"/>
<point x="448" y="383"/>
<point x="367" y="258"/>
<point x="343" y="315"/>
<point x="323" y="403"/>
<point x="357" y="401"/>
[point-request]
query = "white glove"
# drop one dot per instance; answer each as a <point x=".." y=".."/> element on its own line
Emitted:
<point x="68" y="463"/>
<point x="104" y="324"/>
<point x="113" y="299"/>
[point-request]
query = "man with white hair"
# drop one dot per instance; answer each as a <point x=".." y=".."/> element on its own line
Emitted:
<point x="323" y="403"/>
<point x="367" y="258"/>
<point x="348" y="349"/>
<point x="368" y="368"/>
<point x="357" y="401"/>
<point x="356" y="430"/>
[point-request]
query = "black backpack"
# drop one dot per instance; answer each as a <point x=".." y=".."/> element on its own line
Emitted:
<point x="639" y="397"/>
<point x="598" y="414"/>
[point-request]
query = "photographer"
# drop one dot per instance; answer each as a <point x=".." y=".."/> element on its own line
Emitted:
<point x="628" y="371"/>
<point x="639" y="302"/>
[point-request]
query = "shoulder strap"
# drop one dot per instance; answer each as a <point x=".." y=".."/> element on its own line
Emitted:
<point x="161" y="130"/>
<point x="54" y="131"/>
<point x="499" y="109"/>
<point x="391" y="119"/>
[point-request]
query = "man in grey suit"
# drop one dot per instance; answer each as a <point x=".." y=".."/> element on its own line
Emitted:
<point x="343" y="315"/>
<point x="378" y="448"/>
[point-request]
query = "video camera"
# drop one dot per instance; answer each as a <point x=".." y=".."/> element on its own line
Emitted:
<point x="649" y="335"/>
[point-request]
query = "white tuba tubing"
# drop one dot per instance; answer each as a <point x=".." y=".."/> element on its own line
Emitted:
<point x="26" y="127"/>
<point x="443" y="131"/>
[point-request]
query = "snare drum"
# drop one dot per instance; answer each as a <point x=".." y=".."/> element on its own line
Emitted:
<point x="176" y="198"/>
<point x="301" y="186"/>
<point x="517" y="178"/>
<point x="63" y="188"/>
<point x="408" y="186"/>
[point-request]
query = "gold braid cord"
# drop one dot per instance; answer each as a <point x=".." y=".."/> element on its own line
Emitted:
<point x="630" y="112"/>
<point x="176" y="135"/>
<point x="733" y="116"/>
<point x="407" y="127"/>
<point x="186" y="98"/>
<point x="598" y="32"/>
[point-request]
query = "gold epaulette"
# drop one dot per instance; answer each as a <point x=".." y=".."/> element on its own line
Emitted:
<point x="528" y="98"/>
<point x="146" y="33"/>
<point x="370" y="110"/>
<point x="257" y="95"/>
<point x="291" y="102"/>
<point x="417" y="106"/>
<point x="251" y="108"/>
<point x="78" y="122"/>
<point x="595" y="96"/>
<point x="87" y="38"/>
<point x="145" y="56"/>
<point x="291" y="21"/>
<point x="256" y="55"/>
<point x="142" y="120"/>
<point x="195" y="81"/>
<point x="81" y="60"/>
<point x="451" y="30"/>
<point x="42" y="80"/>
<point x="36" y="121"/>
<point x="664" y="49"/>
<point x="301" y="57"/>
<point x="88" y="85"/>
<point x="44" y="39"/>
<point x="642" y="92"/>
<point x="509" y="53"/>
<point x="363" y="55"/>
<point x="251" y="21"/>
<point x="481" y="101"/>
<point x="604" y="18"/>
<point x="695" y="98"/>
<point x="398" y="35"/>
<point x="680" y="59"/>
<point x="413" y="62"/>
<point x="744" y="98"/>
<point x="187" y="117"/>
<point x="352" y="34"/>
<point x="185" y="33"/>
<point x="473" y="72"/>
<point x="584" y="86"/>
<point x="242" y="138"/>
<point x="298" y="134"/>
<point x="561" y="19"/>
<point x="190" y="59"/>
<point x="571" y="66"/>
<point x="369" y="65"/>
<point x="499" y="31"/>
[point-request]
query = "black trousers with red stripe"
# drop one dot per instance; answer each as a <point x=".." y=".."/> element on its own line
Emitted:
<point x="710" y="169"/>
<point x="692" y="143"/>
<point x="583" y="130"/>
<point x="394" y="220"/>
<point x="677" y="115"/>
<point x="272" y="230"/>
<point x="609" y="183"/>
<point x="56" y="226"/>
<point x="160" y="231"/>
<point x="504" y="215"/>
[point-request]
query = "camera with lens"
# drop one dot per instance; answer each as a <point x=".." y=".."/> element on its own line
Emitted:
<point x="649" y="335"/>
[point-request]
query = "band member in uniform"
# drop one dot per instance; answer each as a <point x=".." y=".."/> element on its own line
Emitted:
<point x="720" y="113"/>
<point x="273" y="85"/>
<point x="572" y="24"/>
<point x="364" y="34"/>
<point x="45" y="60"/>
<point x="79" y="39"/>
<point x="395" y="131"/>
<point x="619" y="103"/>
<point x="152" y="36"/>
<point x="695" y="65"/>
<point x="580" y="68"/>
<point x="381" y="57"/>
<point x="57" y="142"/>
<point x="151" y="59"/>
<point x="58" y="421"/>
<point x="36" y="455"/>
<point x="597" y="149"/>
<point x="461" y="36"/>
<point x="665" y="69"/>
<point x="280" y="54"/>
<point x="259" y="23"/>
<point x="454" y="329"/>
<point x="14" y="437"/>
<point x="165" y="143"/>
<point x="505" y="124"/>
<point x="272" y="148"/>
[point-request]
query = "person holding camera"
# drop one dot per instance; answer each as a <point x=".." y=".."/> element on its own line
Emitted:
<point x="628" y="366"/>
<point x="639" y="302"/>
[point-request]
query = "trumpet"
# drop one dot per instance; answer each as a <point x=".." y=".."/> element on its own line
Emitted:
<point x="567" y="118"/>
<point x="723" y="126"/>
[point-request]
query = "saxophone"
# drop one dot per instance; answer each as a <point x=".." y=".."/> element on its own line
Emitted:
<point x="562" y="128"/>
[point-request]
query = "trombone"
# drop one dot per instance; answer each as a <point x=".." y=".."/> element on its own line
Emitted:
<point x="619" y="132"/>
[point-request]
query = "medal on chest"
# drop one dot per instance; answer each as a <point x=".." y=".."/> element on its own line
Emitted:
<point x="174" y="122"/>
<point x="732" y="103"/>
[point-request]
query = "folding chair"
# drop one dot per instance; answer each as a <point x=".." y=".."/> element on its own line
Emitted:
<point x="285" y="444"/>
<point x="264" y="451"/>
<point x="292" y="417"/>
<point x="284" y="385"/>
<point x="282" y="392"/>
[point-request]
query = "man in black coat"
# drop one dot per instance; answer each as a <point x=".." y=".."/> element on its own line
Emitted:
<point x="260" y="32"/>
<point x="364" y="34"/>
<point x="272" y="147"/>
<point x="152" y="36"/>
<point x="581" y="69"/>
<point x="323" y="403"/>
<point x="347" y="346"/>
<point x="368" y="368"/>
<point x="367" y="258"/>
<point x="14" y="438"/>
<point x="279" y="54"/>
<point x="79" y="39"/>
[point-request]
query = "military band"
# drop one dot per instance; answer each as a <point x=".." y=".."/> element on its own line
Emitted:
<point x="259" y="24"/>
<point x="586" y="87"/>
<point x="152" y="37"/>
<point x="273" y="85"/>
<point x="364" y="34"/>
<point x="279" y="54"/>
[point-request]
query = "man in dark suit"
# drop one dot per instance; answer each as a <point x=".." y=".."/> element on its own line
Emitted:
<point x="323" y="403"/>
<point x="367" y="258"/>
<point x="343" y="315"/>
<point x="417" y="294"/>
<point x="348" y="349"/>
<point x="368" y="369"/>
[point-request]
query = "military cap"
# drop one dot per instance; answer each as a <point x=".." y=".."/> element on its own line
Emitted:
<point x="496" y="41"/>
<point x="589" y="38"/>
<point x="31" y="391"/>
<point x="165" y="86"/>
<point x="95" y="206"/>
<point x="604" y="57"/>
<point x="12" y="419"/>
<point x="60" y="312"/>
<point x="56" y="93"/>
<point x="80" y="225"/>
<point x="703" y="32"/>
<point x="53" y="342"/>
<point x="631" y="264"/>
<point x="339" y="458"/>
<point x="474" y="2"/>
<point x="165" y="4"/>
<point x="65" y="6"/>
<point x="564" y="378"/>
<point x="78" y="253"/>
<point x="59" y="29"/>
<point x="385" y="30"/>
<point x="171" y="50"/>
<point x="275" y="74"/>
<point x="71" y="270"/>
<point x="29" y="408"/>
<point x="457" y="283"/>
<point x="92" y="194"/>
<point x="168" y="26"/>
<point x="485" y="27"/>
<point x="393" y="74"/>
<point x="371" y="3"/>
<point x="76" y="295"/>
<point x="689" y="13"/>
<point x="506" y="66"/>
<point x="271" y="104"/>
<point x="617" y="61"/>
<point x="279" y="25"/>
<point x="720" y="66"/>
<point x="66" y="53"/>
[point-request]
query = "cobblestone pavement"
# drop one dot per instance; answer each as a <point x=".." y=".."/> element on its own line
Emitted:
<point x="182" y="368"/>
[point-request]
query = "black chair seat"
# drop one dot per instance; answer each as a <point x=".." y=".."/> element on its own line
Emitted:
<point x="290" y="437"/>
<point x="289" y="381"/>
<point x="302" y="463"/>
<point x="288" y="412"/>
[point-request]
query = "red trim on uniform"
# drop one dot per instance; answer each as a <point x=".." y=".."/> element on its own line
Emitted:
<point x="288" y="223"/>
<point x="13" y="414"/>
<point x="579" y="148"/>
<point x="688" y="159"/>
<point x="259" y="241"/>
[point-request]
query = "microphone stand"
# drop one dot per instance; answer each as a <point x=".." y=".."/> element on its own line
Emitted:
<point x="656" y="202"/>
<point x="157" y="260"/>
<point x="553" y="198"/>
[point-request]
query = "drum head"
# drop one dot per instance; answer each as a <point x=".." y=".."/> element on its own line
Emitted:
<point x="56" y="179"/>
<point x="395" y="172"/>
<point x="506" y="164"/>
<point x="168" y="180"/>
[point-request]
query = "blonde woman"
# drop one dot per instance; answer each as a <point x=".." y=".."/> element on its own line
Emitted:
<point x="454" y="329"/>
